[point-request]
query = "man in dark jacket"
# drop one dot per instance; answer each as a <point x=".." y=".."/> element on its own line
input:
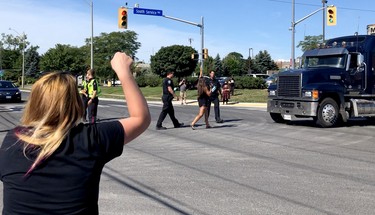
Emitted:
<point x="214" y="98"/>
<point x="168" y="94"/>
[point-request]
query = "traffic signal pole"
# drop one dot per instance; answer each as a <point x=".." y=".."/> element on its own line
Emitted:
<point x="153" y="12"/>
<point x="292" y="28"/>
<point x="201" y="26"/>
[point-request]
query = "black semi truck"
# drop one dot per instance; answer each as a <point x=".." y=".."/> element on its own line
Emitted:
<point x="335" y="82"/>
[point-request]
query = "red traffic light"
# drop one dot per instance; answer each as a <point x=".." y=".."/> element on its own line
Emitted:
<point x="123" y="18"/>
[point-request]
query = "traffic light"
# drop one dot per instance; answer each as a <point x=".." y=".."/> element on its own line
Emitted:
<point x="194" y="56"/>
<point x="123" y="18"/>
<point x="205" y="53"/>
<point x="331" y="15"/>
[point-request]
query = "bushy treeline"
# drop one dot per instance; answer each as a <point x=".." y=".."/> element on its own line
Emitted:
<point x="241" y="82"/>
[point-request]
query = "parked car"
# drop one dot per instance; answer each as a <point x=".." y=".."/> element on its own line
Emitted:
<point x="9" y="92"/>
<point x="260" y="75"/>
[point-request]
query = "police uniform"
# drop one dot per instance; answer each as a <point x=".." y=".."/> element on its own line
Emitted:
<point x="92" y="86"/>
<point x="167" y="105"/>
<point x="85" y="98"/>
<point x="214" y="98"/>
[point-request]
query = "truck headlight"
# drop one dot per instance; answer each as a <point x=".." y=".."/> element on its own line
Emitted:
<point x="311" y="94"/>
<point x="272" y="93"/>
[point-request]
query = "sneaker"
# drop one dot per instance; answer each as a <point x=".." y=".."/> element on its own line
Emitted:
<point x="179" y="125"/>
<point x="220" y="121"/>
<point x="193" y="127"/>
<point x="161" y="128"/>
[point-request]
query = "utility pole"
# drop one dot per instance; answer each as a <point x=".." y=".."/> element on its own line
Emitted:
<point x="324" y="19"/>
<point x="293" y="35"/>
<point x="22" y="38"/>
<point x="92" y="36"/>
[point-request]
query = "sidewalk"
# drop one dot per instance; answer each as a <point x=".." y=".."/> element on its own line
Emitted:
<point x="230" y="104"/>
<point x="189" y="101"/>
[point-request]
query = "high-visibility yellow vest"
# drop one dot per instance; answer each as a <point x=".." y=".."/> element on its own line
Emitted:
<point x="84" y="86"/>
<point x="90" y="88"/>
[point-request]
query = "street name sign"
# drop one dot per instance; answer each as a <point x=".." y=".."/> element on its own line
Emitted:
<point x="150" y="12"/>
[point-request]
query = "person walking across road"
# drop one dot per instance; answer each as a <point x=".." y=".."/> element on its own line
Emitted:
<point x="52" y="163"/>
<point x="231" y="82"/>
<point x="183" y="89"/>
<point x="225" y="94"/>
<point x="203" y="101"/>
<point x="93" y="90"/>
<point x="167" y="97"/>
<point x="214" y="98"/>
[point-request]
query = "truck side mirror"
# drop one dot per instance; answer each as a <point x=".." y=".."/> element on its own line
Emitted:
<point x="360" y="60"/>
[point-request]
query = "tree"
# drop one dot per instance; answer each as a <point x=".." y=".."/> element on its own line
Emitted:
<point x="208" y="65"/>
<point x="105" y="47"/>
<point x="32" y="59"/>
<point x="310" y="42"/>
<point x="218" y="67"/>
<point x="11" y="48"/>
<point x="176" y="58"/>
<point x="63" y="58"/>
<point x="263" y="62"/>
<point x="233" y="64"/>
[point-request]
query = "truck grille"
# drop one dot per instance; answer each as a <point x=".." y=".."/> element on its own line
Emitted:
<point x="289" y="86"/>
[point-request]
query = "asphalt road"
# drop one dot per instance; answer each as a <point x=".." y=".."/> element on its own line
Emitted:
<point x="247" y="165"/>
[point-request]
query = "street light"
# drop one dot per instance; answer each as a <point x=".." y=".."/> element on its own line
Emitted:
<point x="23" y="55"/>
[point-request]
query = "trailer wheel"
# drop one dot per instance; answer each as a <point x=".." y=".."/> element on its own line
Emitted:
<point x="328" y="113"/>
<point x="277" y="117"/>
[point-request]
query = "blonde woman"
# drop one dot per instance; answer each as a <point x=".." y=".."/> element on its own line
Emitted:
<point x="51" y="163"/>
<point x="203" y="101"/>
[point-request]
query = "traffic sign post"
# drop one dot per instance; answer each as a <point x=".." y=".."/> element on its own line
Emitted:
<point x="153" y="12"/>
<point x="150" y="12"/>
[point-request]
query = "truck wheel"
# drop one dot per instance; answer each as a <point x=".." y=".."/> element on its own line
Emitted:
<point x="328" y="113"/>
<point x="277" y="117"/>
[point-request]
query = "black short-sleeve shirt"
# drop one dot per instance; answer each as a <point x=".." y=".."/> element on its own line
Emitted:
<point x="65" y="183"/>
<point x="167" y="82"/>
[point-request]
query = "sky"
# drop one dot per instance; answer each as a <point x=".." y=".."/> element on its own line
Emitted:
<point x="243" y="26"/>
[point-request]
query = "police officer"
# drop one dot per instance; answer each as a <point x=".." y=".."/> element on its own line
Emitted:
<point x="214" y="98"/>
<point x="168" y="94"/>
<point x="93" y="93"/>
<point x="85" y="98"/>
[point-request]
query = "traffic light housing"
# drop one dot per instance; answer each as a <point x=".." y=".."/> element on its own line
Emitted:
<point x="205" y="53"/>
<point x="331" y="15"/>
<point x="123" y="18"/>
<point x="194" y="56"/>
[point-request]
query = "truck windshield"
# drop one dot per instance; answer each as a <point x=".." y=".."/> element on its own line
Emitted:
<point x="337" y="61"/>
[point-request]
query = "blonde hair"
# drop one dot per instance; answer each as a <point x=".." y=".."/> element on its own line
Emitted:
<point x="53" y="108"/>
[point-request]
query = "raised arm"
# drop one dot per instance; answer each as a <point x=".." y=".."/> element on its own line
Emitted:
<point x="139" y="118"/>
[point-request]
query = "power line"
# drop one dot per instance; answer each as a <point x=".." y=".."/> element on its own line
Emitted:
<point x="315" y="5"/>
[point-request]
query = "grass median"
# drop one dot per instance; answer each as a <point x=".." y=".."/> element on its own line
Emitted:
<point x="154" y="93"/>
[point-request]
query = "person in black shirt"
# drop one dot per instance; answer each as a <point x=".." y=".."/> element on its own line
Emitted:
<point x="167" y="97"/>
<point x="214" y="98"/>
<point x="51" y="163"/>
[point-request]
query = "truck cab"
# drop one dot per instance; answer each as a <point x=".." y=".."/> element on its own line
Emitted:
<point x="335" y="82"/>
